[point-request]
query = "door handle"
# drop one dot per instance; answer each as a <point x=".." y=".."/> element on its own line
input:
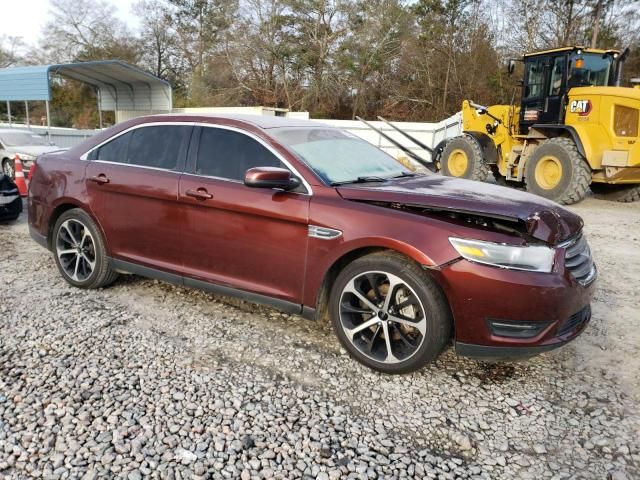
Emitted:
<point x="200" y="194"/>
<point x="100" y="179"/>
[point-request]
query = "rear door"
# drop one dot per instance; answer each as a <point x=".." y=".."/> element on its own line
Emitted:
<point x="132" y="182"/>
<point x="252" y="239"/>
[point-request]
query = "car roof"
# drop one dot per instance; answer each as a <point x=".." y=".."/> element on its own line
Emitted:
<point x="261" y="121"/>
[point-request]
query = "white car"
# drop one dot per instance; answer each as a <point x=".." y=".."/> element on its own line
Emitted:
<point x="25" y="144"/>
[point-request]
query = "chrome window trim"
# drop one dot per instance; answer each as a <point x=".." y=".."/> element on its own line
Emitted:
<point x="213" y="177"/>
<point x="108" y="162"/>
<point x="200" y="124"/>
<point x="277" y="154"/>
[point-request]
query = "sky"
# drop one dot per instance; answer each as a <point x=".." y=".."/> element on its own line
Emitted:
<point x="25" y="18"/>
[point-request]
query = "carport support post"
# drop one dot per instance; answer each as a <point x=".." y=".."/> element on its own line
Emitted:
<point x="99" y="109"/>
<point x="46" y="103"/>
<point x="26" y="109"/>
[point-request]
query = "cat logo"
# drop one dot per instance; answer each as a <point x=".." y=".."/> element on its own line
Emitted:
<point x="581" y="107"/>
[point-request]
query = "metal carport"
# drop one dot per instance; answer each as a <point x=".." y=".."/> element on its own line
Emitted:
<point x="120" y="87"/>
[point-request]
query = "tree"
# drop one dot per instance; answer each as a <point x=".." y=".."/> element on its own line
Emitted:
<point x="81" y="30"/>
<point x="370" y="53"/>
<point x="200" y="27"/>
<point x="316" y="30"/>
<point x="405" y="59"/>
<point x="9" y="51"/>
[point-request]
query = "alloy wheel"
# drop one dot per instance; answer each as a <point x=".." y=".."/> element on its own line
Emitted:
<point x="382" y="317"/>
<point x="75" y="248"/>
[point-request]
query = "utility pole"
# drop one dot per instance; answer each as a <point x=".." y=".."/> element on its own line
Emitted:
<point x="596" y="24"/>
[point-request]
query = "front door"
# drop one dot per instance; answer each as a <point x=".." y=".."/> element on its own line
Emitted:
<point x="252" y="239"/>
<point x="132" y="183"/>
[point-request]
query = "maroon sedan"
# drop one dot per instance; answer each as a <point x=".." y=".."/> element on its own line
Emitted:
<point x="315" y="221"/>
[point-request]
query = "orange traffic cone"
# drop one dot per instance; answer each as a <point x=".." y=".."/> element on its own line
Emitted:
<point x="20" y="181"/>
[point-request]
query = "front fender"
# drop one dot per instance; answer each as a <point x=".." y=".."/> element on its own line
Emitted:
<point x="489" y="150"/>
<point x="577" y="133"/>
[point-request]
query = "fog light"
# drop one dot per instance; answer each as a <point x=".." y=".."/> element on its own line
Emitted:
<point x="512" y="329"/>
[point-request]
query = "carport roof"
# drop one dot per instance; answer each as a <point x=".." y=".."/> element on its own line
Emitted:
<point x="120" y="86"/>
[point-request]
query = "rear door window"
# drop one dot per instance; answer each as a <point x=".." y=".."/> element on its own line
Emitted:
<point x="158" y="146"/>
<point x="228" y="154"/>
<point x="113" y="151"/>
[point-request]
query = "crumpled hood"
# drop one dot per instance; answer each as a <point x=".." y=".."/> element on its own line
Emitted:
<point x="542" y="218"/>
<point x="34" y="150"/>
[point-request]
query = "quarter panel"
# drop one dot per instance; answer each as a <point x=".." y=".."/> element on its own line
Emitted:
<point x="59" y="179"/>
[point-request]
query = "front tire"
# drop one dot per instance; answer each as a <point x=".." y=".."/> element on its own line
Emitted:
<point x="616" y="193"/>
<point x="79" y="251"/>
<point x="558" y="172"/>
<point x="389" y="314"/>
<point x="462" y="158"/>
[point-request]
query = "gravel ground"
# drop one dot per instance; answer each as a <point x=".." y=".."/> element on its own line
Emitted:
<point x="147" y="379"/>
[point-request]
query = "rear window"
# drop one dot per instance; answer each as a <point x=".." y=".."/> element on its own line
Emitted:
<point x="113" y="151"/>
<point x="156" y="146"/>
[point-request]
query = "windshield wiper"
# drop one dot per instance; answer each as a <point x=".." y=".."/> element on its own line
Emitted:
<point x="366" y="179"/>
<point x="405" y="174"/>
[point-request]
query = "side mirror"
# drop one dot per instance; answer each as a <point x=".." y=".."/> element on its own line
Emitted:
<point x="270" y="177"/>
<point x="511" y="66"/>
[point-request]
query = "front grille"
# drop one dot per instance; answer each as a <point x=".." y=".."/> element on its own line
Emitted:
<point x="575" y="321"/>
<point x="577" y="259"/>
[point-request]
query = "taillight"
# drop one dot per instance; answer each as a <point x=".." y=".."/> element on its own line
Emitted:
<point x="32" y="170"/>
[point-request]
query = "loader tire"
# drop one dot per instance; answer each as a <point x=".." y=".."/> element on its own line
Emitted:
<point x="462" y="158"/>
<point x="616" y="193"/>
<point x="558" y="172"/>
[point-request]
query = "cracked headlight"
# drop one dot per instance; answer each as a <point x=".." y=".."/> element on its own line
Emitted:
<point x="534" y="258"/>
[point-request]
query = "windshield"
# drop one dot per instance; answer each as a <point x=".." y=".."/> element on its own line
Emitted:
<point x="14" y="139"/>
<point x="589" y="69"/>
<point x="338" y="156"/>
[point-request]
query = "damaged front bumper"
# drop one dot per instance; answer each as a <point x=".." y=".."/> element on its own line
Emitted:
<point x="507" y="314"/>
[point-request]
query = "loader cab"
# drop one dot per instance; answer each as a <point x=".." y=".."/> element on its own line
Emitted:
<point x="549" y="75"/>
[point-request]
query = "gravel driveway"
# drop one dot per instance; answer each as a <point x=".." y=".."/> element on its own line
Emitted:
<point x="147" y="379"/>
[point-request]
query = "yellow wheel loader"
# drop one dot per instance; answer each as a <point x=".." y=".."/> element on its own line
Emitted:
<point x="576" y="128"/>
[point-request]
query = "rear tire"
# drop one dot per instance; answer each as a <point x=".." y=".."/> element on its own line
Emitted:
<point x="462" y="158"/>
<point x="616" y="193"/>
<point x="79" y="251"/>
<point x="558" y="172"/>
<point x="406" y="311"/>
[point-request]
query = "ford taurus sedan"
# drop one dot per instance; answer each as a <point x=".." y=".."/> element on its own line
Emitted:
<point x="315" y="221"/>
